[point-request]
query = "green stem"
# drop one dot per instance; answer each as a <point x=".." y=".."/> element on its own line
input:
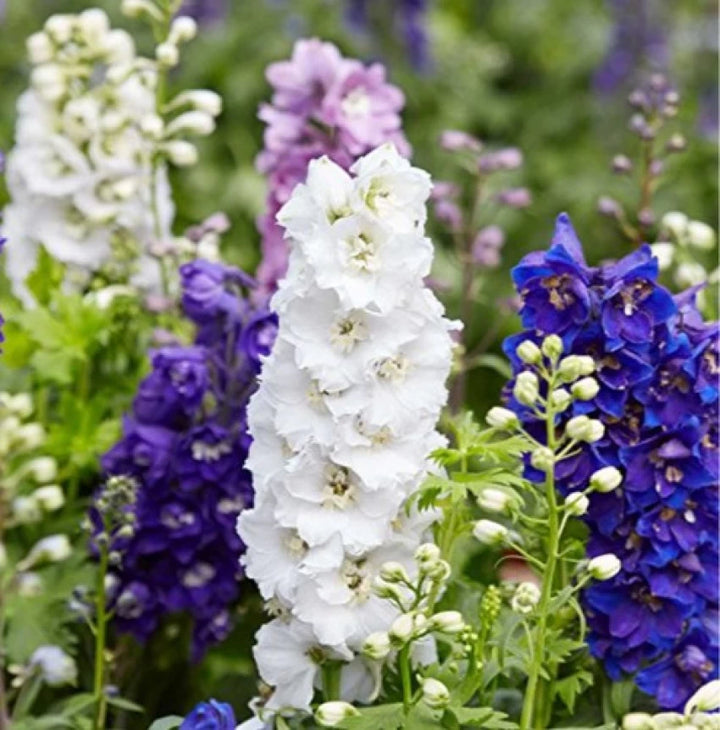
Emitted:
<point x="404" y="663"/>
<point x="100" y="643"/>
<point x="28" y="692"/>
<point x="331" y="675"/>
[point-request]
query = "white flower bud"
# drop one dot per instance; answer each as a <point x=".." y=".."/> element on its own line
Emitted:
<point x="394" y="572"/>
<point x="552" y="347"/>
<point x="50" y="549"/>
<point x="202" y="100"/>
<point x="377" y="645"/>
<point x="386" y="590"/>
<point x="573" y="367"/>
<point x="674" y="720"/>
<point x="151" y="125"/>
<point x="604" y="567"/>
<point x="560" y="399"/>
<point x="439" y="571"/>
<point x="30" y="435"/>
<point x="585" y="388"/>
<point x="194" y="122"/>
<point x="26" y="510"/>
<point x="494" y="500"/>
<point x="502" y="418"/>
<point x="447" y="622"/>
<point x="529" y="352"/>
<point x="526" y="389"/>
<point x="577" y="504"/>
<point x="60" y="27"/>
<point x="29" y="584"/>
<point x="690" y="273"/>
<point x="39" y="48"/>
<point x="525" y="598"/>
<point x="543" y="458"/>
<point x="676" y="223"/>
<point x="331" y="714"/>
<point x="49" y="81"/>
<point x="42" y="469"/>
<point x="434" y="693"/>
<point x="405" y="627"/>
<point x="19" y="404"/>
<point x="180" y="152"/>
<point x="665" y="253"/>
<point x="427" y="553"/>
<point x="119" y="49"/>
<point x="49" y="497"/>
<point x="183" y="29"/>
<point x="490" y="533"/>
<point x="56" y="667"/>
<point x="167" y="54"/>
<point x="135" y="8"/>
<point x="706" y="699"/>
<point x="582" y="428"/>
<point x="94" y="25"/>
<point x="701" y="235"/>
<point x="606" y="479"/>
<point x="638" y="721"/>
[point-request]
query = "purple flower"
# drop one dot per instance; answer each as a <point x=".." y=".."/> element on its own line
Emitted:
<point x="656" y="363"/>
<point x="185" y="445"/>
<point x="205" y="11"/>
<point x="211" y="715"/>
<point x="322" y="104"/>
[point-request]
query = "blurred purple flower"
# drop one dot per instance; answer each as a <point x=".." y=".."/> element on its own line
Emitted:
<point x="205" y="11"/>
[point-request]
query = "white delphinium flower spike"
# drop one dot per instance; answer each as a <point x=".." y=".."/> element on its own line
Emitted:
<point x="344" y="420"/>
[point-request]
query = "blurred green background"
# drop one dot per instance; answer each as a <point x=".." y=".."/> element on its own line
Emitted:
<point x="513" y="72"/>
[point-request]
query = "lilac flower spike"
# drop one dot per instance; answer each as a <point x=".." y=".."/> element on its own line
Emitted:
<point x="657" y="367"/>
<point x="322" y="104"/>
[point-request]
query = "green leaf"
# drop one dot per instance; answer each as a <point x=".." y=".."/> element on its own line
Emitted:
<point x="494" y="362"/>
<point x="483" y="717"/>
<point x="387" y="717"/>
<point x="421" y="717"/>
<point x="46" y="277"/>
<point x="77" y="704"/>
<point x="167" y="723"/>
<point x="124" y="704"/>
<point x="53" y="365"/>
<point x="568" y="688"/>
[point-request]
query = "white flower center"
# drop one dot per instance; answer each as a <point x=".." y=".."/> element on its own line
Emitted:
<point x="362" y="253"/>
<point x="338" y="490"/>
<point x="203" y="451"/>
<point x="357" y="578"/>
<point x="296" y="546"/>
<point x="394" y="369"/>
<point x="356" y="103"/>
<point x="345" y="333"/>
<point x="176" y="521"/>
<point x="198" y="575"/>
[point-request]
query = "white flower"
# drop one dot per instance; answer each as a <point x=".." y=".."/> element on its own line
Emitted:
<point x="676" y="223"/>
<point x="330" y="714"/>
<point x="489" y="532"/>
<point x="50" y="497"/>
<point x="50" y="549"/>
<point x="447" y="622"/>
<point x="706" y="699"/>
<point x="434" y="693"/>
<point x="55" y="666"/>
<point x="665" y="253"/>
<point x="638" y="721"/>
<point x="701" y="235"/>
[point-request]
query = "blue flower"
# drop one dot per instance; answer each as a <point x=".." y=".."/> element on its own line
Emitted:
<point x="211" y="715"/>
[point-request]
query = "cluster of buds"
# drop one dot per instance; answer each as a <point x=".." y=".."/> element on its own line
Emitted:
<point x="653" y="105"/>
<point x="696" y="714"/>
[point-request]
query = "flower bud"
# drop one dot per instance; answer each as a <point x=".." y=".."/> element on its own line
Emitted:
<point x="94" y="24"/>
<point x="439" y="571"/>
<point x="582" y="428"/>
<point x="447" y="622"/>
<point x="202" y="100"/>
<point x="604" y="567"/>
<point x="331" y="714"/>
<point x="120" y="49"/>
<point x="167" y="54"/>
<point x="490" y="533"/>
<point x="494" y="500"/>
<point x="676" y="223"/>
<point x="434" y="693"/>
<point x="49" y="81"/>
<point x="26" y="510"/>
<point x="577" y="504"/>
<point x="676" y="143"/>
<point x="405" y="627"/>
<point x="543" y="459"/>
<point x="609" y="207"/>
<point x="56" y="667"/>
<point x="386" y="590"/>
<point x="559" y="399"/>
<point x="29" y="584"/>
<point x="60" y="27"/>
<point x="49" y="497"/>
<point x="585" y="388"/>
<point x="665" y="253"/>
<point x="194" y="122"/>
<point x="394" y="572"/>
<point x="606" y="479"/>
<point x="515" y="197"/>
<point x="706" y="699"/>
<point x="701" y="235"/>
<point x="3" y="557"/>
<point x="135" y="8"/>
<point x="621" y="164"/>
<point x="180" y="152"/>
<point x="526" y="389"/>
<point x="377" y="645"/>
<point x="30" y="435"/>
<point x="19" y="404"/>
<point x="427" y="553"/>
<point x="50" y="549"/>
<point x="39" y="48"/>
<point x="690" y="273"/>
<point x="502" y="418"/>
<point x="183" y="29"/>
<point x="528" y="352"/>
<point x="525" y="598"/>
<point x="552" y="347"/>
<point x="42" y="469"/>
<point x="638" y="721"/>
<point x="453" y="140"/>
<point x="573" y="367"/>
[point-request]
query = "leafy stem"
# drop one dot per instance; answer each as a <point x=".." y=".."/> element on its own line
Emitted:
<point x="99" y="694"/>
<point x="404" y="665"/>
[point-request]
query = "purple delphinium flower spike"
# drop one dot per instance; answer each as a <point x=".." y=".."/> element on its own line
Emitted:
<point x="657" y="367"/>
<point x="322" y="104"/>
<point x="185" y="444"/>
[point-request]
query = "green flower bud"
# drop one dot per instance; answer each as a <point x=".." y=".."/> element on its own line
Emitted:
<point x="577" y="504"/>
<point x="573" y="367"/>
<point x="490" y="533"/>
<point x="529" y="352"/>
<point x="502" y="418"/>
<point x="606" y="479"/>
<point x="526" y="389"/>
<point x="447" y="622"/>
<point x="604" y="567"/>
<point x="394" y="572"/>
<point x="552" y="347"/>
<point x="526" y="597"/>
<point x="585" y="388"/>
<point x="377" y="645"/>
<point x="543" y="459"/>
<point x="560" y="399"/>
